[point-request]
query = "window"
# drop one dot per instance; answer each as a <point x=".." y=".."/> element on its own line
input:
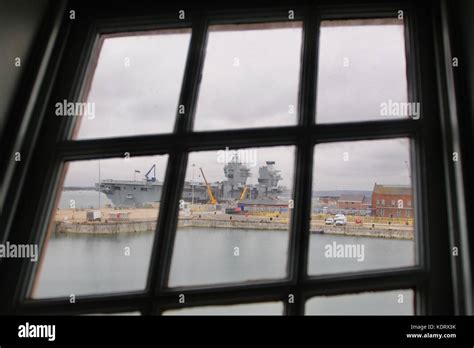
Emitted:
<point x="205" y="235"/>
<point x="370" y="303"/>
<point x="357" y="248"/>
<point x="150" y="66"/>
<point x="237" y="62"/>
<point x="345" y="69"/>
<point x="87" y="250"/>
<point x="275" y="308"/>
<point x="245" y="232"/>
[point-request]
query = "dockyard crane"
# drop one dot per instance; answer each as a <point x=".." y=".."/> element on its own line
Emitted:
<point x="244" y="191"/>
<point x="153" y="178"/>
<point x="212" y="199"/>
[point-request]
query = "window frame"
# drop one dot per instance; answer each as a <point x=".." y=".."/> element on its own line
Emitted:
<point x="70" y="65"/>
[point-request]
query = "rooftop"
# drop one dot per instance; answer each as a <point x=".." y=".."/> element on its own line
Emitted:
<point x="393" y="189"/>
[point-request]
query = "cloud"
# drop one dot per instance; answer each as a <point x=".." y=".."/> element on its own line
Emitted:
<point x="142" y="98"/>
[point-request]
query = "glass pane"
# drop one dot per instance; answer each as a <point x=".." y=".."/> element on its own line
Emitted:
<point x="250" y="76"/>
<point x="362" y="207"/>
<point x="101" y="237"/>
<point x="397" y="302"/>
<point x="136" y="85"/>
<point x="362" y="71"/>
<point x="273" y="308"/>
<point x="241" y="232"/>
<point x="115" y="314"/>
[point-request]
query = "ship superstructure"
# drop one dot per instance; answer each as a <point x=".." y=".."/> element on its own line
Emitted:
<point x="138" y="193"/>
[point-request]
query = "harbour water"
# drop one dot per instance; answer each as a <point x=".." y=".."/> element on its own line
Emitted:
<point x="82" y="264"/>
<point x="91" y="264"/>
<point x="82" y="199"/>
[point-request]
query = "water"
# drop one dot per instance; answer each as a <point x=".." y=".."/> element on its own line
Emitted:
<point x="84" y="264"/>
<point x="83" y="199"/>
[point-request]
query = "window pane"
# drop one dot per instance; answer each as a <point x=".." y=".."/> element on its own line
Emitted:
<point x="362" y="71"/>
<point x="92" y="250"/>
<point x="115" y="314"/>
<point x="136" y="84"/>
<point x="243" y="234"/>
<point x="397" y="302"/>
<point x="354" y="225"/>
<point x="273" y="308"/>
<point x="250" y="76"/>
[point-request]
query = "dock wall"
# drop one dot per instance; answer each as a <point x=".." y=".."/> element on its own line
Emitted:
<point x="146" y="226"/>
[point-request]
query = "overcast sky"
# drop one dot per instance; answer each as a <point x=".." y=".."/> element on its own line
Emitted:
<point x="250" y="79"/>
<point x="374" y="72"/>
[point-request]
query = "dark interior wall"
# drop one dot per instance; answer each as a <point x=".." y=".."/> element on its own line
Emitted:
<point x="19" y="23"/>
<point x="464" y="21"/>
<point x="462" y="26"/>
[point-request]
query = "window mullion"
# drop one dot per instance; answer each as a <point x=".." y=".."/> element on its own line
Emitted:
<point x="166" y="228"/>
<point x="299" y="239"/>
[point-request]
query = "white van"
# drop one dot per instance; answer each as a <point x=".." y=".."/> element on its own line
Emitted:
<point x="340" y="219"/>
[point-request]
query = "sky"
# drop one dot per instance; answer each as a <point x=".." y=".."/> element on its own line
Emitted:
<point x="354" y="165"/>
<point x="250" y="79"/>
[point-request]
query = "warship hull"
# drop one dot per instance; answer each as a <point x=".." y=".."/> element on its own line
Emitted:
<point x="141" y="193"/>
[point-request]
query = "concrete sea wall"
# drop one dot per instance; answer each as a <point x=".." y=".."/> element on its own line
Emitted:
<point x="105" y="228"/>
<point x="145" y="226"/>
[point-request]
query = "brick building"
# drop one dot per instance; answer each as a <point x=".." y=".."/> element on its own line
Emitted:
<point x="328" y="200"/>
<point x="354" y="202"/>
<point x="392" y="201"/>
<point x="350" y="201"/>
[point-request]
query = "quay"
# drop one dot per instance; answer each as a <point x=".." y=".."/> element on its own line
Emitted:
<point x="144" y="220"/>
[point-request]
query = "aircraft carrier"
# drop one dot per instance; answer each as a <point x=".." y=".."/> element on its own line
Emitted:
<point x="139" y="193"/>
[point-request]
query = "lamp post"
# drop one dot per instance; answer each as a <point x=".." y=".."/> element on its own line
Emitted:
<point x="99" y="184"/>
<point x="408" y="168"/>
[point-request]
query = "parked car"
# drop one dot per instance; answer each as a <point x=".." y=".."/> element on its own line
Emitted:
<point x="329" y="221"/>
<point x="340" y="220"/>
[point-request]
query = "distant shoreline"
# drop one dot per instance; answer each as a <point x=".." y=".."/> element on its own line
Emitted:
<point x="78" y="188"/>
